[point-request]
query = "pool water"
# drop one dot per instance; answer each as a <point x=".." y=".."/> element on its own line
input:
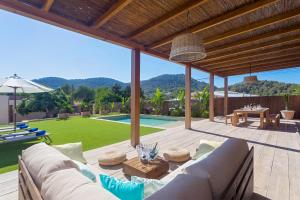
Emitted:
<point x="144" y="120"/>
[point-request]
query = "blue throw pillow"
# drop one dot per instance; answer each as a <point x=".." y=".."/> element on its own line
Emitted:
<point x="124" y="190"/>
<point x="85" y="170"/>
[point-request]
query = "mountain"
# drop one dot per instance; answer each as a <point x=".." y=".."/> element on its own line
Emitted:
<point x="265" y="88"/>
<point x="167" y="83"/>
<point x="170" y="83"/>
<point x="55" y="82"/>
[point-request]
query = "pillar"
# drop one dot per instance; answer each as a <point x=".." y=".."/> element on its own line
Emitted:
<point x="135" y="97"/>
<point x="211" y="97"/>
<point x="188" y="108"/>
<point x="225" y="96"/>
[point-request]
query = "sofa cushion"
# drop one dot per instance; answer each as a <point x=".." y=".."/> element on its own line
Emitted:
<point x="41" y="160"/>
<point x="184" y="186"/>
<point x="72" y="150"/>
<point x="69" y="184"/>
<point x="221" y="165"/>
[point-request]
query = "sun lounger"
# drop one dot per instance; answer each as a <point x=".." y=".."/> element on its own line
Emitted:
<point x="29" y="131"/>
<point x="25" y="137"/>
<point x="11" y="127"/>
<point x="21" y="127"/>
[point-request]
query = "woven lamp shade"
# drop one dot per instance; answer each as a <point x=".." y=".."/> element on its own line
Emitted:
<point x="250" y="79"/>
<point x="187" y="48"/>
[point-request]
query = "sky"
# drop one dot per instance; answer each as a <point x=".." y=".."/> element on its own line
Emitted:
<point x="33" y="49"/>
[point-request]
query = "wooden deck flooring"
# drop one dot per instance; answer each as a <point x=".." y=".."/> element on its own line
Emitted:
<point x="276" y="155"/>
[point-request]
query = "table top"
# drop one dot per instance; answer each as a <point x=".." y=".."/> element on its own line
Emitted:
<point x="137" y="164"/>
<point x="254" y="110"/>
<point x="135" y="167"/>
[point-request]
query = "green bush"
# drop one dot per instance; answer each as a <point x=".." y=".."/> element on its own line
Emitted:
<point x="196" y="110"/>
<point x="204" y="114"/>
<point x="176" y="112"/>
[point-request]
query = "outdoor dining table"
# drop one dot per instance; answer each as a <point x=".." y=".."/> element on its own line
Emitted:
<point x="263" y="113"/>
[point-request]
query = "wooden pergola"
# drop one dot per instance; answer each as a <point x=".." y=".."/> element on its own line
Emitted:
<point x="237" y="33"/>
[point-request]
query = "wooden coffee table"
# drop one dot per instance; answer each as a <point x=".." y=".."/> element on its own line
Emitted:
<point x="155" y="169"/>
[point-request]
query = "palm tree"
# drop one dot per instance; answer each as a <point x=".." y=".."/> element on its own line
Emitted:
<point x="157" y="101"/>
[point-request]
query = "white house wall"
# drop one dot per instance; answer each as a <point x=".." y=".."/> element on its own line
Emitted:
<point x="4" y="113"/>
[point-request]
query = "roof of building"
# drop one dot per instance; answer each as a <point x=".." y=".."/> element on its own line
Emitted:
<point x="237" y="33"/>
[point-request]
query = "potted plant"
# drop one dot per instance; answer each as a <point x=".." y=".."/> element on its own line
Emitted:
<point x="287" y="114"/>
<point x="85" y="111"/>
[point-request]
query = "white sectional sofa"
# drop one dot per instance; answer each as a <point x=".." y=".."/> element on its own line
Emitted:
<point x="226" y="173"/>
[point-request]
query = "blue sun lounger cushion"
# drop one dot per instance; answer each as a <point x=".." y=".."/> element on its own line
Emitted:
<point x="33" y="130"/>
<point x="20" y="124"/>
<point x="40" y="133"/>
<point x="23" y="126"/>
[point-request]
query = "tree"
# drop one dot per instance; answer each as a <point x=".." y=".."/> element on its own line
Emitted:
<point x="157" y="101"/>
<point x="203" y="99"/>
<point x="84" y="94"/>
<point x="67" y="89"/>
<point x="56" y="101"/>
<point x="116" y="89"/>
<point x="102" y="98"/>
<point x="62" y="102"/>
<point x="127" y="91"/>
<point x="178" y="108"/>
<point x="296" y="90"/>
<point x="180" y="97"/>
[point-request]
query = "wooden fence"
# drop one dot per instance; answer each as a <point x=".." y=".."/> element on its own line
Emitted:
<point x="275" y="103"/>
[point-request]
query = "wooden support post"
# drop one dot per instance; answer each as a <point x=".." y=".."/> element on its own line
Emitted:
<point x="188" y="108"/>
<point x="135" y="97"/>
<point x="211" y="97"/>
<point x="225" y="96"/>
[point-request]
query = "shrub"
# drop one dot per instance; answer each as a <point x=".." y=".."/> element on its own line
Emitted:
<point x="205" y="114"/>
<point x="196" y="110"/>
<point x="176" y="112"/>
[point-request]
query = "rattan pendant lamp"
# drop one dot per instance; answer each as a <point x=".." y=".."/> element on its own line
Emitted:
<point x="187" y="47"/>
<point x="250" y="79"/>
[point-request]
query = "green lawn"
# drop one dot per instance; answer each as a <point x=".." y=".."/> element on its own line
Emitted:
<point x="92" y="134"/>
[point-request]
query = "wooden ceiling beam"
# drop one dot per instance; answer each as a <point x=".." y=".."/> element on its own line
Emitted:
<point x="261" y="69"/>
<point x="112" y="11"/>
<point x="263" y="36"/>
<point x="235" y="59"/>
<point x="251" y="48"/>
<point x="268" y="62"/>
<point x="47" y="5"/>
<point x="224" y="48"/>
<point x="254" y="26"/>
<point x="216" y="21"/>
<point x="166" y="17"/>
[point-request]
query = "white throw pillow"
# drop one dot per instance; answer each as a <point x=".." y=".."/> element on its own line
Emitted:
<point x="205" y="147"/>
<point x="72" y="150"/>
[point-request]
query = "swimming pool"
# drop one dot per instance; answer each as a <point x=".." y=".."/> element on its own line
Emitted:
<point x="148" y="120"/>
